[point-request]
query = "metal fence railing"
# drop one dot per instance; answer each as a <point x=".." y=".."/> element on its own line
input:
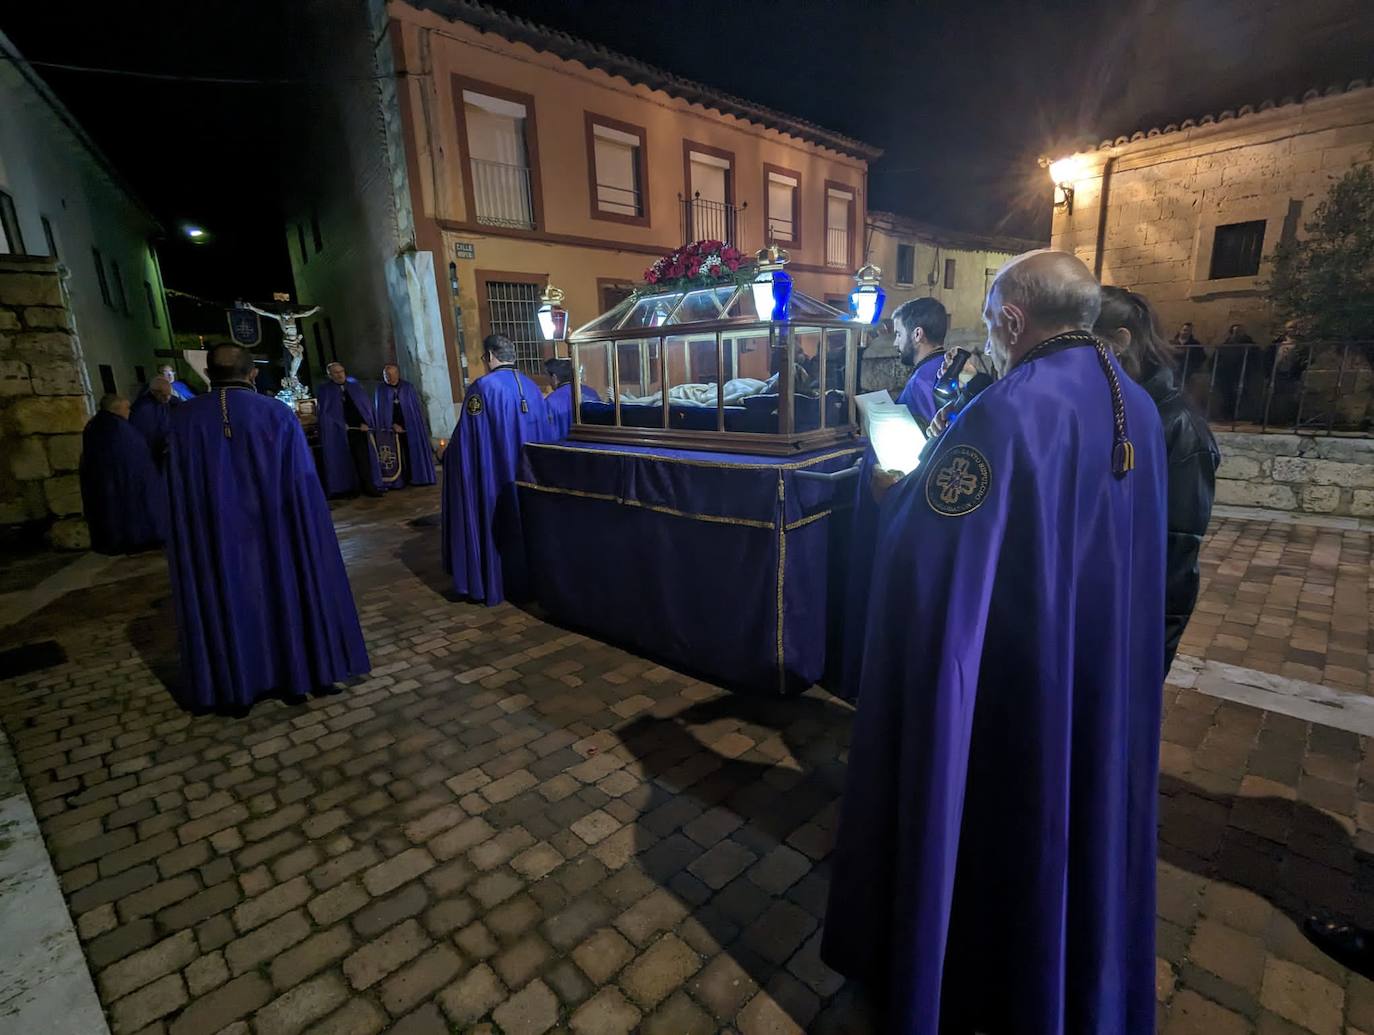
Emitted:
<point x="1310" y="387"/>
<point x="501" y="194"/>
<point x="704" y="220"/>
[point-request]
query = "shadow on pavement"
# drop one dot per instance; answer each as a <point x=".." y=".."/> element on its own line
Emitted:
<point x="1294" y="855"/>
<point x="741" y="844"/>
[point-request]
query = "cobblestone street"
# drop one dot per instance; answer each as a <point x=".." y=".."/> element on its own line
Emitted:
<point x="512" y="828"/>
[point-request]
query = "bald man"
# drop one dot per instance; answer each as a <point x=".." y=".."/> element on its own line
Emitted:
<point x="998" y="821"/>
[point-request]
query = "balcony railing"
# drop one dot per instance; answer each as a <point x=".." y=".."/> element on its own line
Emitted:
<point x="837" y="247"/>
<point x="1310" y="387"/>
<point x="501" y="194"/>
<point x="704" y="220"/>
<point x="618" y="201"/>
<point x="780" y="231"/>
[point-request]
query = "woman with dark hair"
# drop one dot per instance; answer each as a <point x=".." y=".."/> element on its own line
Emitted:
<point x="1128" y="323"/>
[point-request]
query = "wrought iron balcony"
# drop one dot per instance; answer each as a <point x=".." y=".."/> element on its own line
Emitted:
<point x="704" y="220"/>
<point x="501" y="194"/>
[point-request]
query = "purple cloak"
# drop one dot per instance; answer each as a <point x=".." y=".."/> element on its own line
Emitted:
<point x="123" y="496"/>
<point x="481" y="536"/>
<point x="402" y="397"/>
<point x="559" y="406"/>
<point x="919" y="394"/>
<point x="261" y="596"/>
<point x="337" y="473"/>
<point x="154" y="420"/>
<point x="182" y="391"/>
<point x="919" y="397"/>
<point x="1000" y="806"/>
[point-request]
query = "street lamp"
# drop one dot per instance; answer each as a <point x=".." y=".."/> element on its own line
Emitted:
<point x="1063" y="173"/>
<point x="867" y="298"/>
<point x="197" y="234"/>
<point x="553" y="318"/>
<point x="772" y="286"/>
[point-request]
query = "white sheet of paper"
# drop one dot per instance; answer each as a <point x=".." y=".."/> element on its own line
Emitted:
<point x="896" y="437"/>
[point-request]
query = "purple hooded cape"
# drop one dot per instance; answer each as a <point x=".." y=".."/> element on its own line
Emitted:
<point x="999" y="810"/>
<point x="481" y="538"/>
<point x="337" y="473"/>
<point x="154" y="420"/>
<point x="261" y="595"/>
<point x="919" y="397"/>
<point x="559" y="405"/>
<point x="418" y="451"/>
<point x="122" y="494"/>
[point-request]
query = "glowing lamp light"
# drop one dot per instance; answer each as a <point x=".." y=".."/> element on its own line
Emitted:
<point x="553" y="318"/>
<point x="867" y="298"/>
<point x="1064" y="172"/>
<point x="195" y="233"/>
<point x="772" y="286"/>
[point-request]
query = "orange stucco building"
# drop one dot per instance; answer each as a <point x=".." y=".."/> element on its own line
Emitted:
<point x="486" y="157"/>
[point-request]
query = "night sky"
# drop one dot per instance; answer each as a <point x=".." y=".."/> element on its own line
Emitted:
<point x="963" y="95"/>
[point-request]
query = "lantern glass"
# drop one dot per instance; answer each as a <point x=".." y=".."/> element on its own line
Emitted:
<point x="553" y="322"/>
<point x="866" y="303"/>
<point x="772" y="291"/>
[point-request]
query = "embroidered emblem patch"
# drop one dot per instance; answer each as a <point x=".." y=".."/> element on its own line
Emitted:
<point x="474" y="405"/>
<point x="960" y="484"/>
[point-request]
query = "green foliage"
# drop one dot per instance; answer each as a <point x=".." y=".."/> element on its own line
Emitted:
<point x="1325" y="282"/>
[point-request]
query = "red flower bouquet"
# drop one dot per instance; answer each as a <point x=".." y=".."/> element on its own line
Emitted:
<point x="699" y="264"/>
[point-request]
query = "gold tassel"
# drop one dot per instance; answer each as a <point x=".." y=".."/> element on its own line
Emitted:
<point x="1123" y="457"/>
<point x="228" y="431"/>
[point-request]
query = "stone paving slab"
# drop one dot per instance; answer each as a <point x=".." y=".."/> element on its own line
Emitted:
<point x="44" y="984"/>
<point x="512" y="828"/>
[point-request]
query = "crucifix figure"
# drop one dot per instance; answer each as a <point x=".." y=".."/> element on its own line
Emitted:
<point x="294" y="342"/>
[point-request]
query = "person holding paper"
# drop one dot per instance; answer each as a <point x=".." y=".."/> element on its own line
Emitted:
<point x="919" y="327"/>
<point x="1000" y="804"/>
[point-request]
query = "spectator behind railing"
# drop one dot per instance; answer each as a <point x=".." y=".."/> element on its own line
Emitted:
<point x="1128" y="323"/>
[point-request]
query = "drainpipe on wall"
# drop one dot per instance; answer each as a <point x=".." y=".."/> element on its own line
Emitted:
<point x="63" y="278"/>
<point x="1102" y="216"/>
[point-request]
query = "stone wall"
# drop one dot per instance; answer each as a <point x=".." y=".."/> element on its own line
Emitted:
<point x="1297" y="473"/>
<point x="1145" y="212"/>
<point x="44" y="404"/>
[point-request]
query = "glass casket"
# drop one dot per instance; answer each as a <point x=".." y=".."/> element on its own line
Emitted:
<point x="700" y="368"/>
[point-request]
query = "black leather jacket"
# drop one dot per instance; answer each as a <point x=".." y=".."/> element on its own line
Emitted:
<point x="1193" y="459"/>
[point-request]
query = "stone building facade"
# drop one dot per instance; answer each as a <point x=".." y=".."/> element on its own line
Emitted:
<point x="1190" y="214"/>
<point x="45" y="400"/>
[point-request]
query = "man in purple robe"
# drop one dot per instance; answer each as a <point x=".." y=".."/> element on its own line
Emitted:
<point x="123" y="496"/>
<point x="998" y="822"/>
<point x="151" y="414"/>
<point x="348" y="455"/>
<point x="259" y="589"/>
<point x="919" y="326"/>
<point x="397" y="406"/>
<point x="559" y="402"/>
<point x="482" y="539"/>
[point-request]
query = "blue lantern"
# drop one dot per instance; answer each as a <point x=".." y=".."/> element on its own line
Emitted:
<point x="772" y="286"/>
<point x="867" y="298"/>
